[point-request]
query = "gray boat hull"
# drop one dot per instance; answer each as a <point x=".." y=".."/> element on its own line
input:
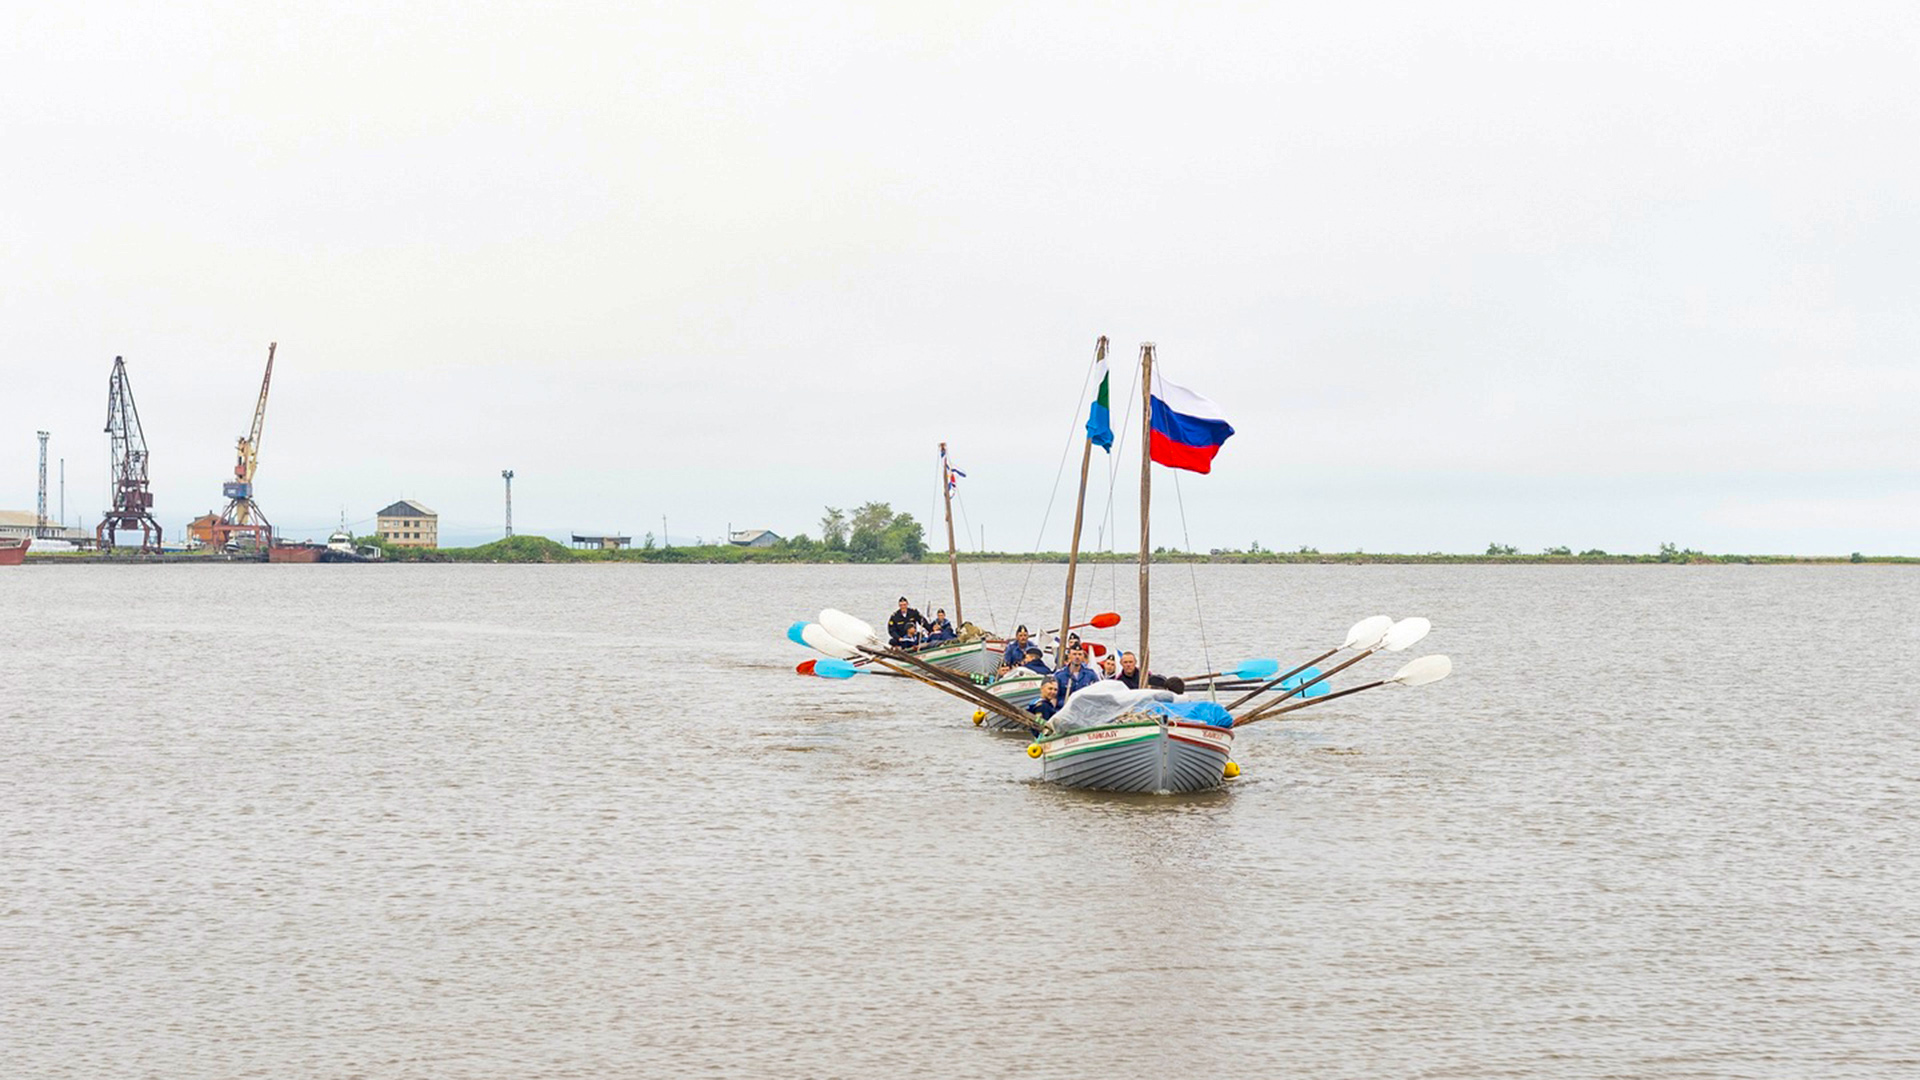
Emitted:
<point x="1018" y="689"/>
<point x="996" y="722"/>
<point x="976" y="658"/>
<point x="1138" y="753"/>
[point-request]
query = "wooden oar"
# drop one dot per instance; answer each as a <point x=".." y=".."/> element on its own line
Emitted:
<point x="966" y="688"/>
<point x="884" y="666"/>
<point x="817" y="637"/>
<point x="1364" y="634"/>
<point x="1400" y="636"/>
<point x="1420" y="672"/>
<point x="857" y="635"/>
<point x="1246" y="672"/>
<point x="806" y="667"/>
<point x="1106" y="620"/>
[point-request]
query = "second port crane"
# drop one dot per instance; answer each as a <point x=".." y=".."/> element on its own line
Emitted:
<point x="243" y="523"/>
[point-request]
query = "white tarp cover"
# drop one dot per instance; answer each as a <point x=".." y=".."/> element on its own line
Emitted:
<point x="1100" y="703"/>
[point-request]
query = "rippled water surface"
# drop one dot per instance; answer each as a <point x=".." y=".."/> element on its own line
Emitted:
<point x="533" y="821"/>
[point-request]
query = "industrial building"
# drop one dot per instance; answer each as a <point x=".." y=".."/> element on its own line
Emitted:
<point x="19" y="523"/>
<point x="409" y="524"/>
<point x="200" y="529"/>
<point x="26" y="523"/>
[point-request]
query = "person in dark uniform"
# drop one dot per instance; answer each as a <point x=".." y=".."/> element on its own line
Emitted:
<point x="1075" y="675"/>
<point x="940" y="629"/>
<point x="1049" y="702"/>
<point x="1015" y="653"/>
<point x="1036" y="663"/>
<point x="1129" y="674"/>
<point x="902" y="626"/>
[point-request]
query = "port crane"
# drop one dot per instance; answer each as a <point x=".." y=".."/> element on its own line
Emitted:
<point x="132" y="501"/>
<point x="243" y="522"/>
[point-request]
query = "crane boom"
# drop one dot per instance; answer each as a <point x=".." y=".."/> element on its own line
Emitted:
<point x="242" y="517"/>
<point x="251" y="453"/>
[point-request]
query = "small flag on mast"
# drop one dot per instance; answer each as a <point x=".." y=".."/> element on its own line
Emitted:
<point x="953" y="475"/>
<point x="1099" y="418"/>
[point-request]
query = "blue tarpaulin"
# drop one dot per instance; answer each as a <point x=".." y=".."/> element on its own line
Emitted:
<point x="1199" y="712"/>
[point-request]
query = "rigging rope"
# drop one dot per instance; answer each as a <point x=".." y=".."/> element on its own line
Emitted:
<point x="1113" y="474"/>
<point x="926" y="568"/>
<point x="1193" y="575"/>
<point x="1059" y="470"/>
<point x="979" y="573"/>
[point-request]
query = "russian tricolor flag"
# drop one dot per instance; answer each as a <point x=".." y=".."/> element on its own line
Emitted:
<point x="1187" y="428"/>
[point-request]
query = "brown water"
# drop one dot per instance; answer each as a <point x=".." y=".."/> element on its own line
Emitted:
<point x="475" y="821"/>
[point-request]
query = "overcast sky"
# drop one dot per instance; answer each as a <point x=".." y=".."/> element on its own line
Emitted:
<point x="1603" y="275"/>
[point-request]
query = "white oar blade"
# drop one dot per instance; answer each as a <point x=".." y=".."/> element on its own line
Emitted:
<point x="849" y="629"/>
<point x="1367" y="632"/>
<point x="1405" y="634"/>
<point x="816" y="638"/>
<point x="1427" y="669"/>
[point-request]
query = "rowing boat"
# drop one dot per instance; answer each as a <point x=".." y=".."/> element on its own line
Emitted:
<point x="1107" y="737"/>
<point x="1018" y="688"/>
<point x="1110" y="738"/>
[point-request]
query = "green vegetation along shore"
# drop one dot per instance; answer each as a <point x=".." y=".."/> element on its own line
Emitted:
<point x="875" y="533"/>
<point x="539" y="549"/>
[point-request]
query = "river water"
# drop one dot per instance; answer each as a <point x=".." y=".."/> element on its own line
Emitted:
<point x="584" y="821"/>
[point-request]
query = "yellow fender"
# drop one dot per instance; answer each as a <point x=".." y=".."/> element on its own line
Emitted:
<point x="1034" y="750"/>
<point x="1233" y="769"/>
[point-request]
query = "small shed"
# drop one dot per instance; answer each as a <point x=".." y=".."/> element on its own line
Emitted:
<point x="758" y="538"/>
<point x="604" y="543"/>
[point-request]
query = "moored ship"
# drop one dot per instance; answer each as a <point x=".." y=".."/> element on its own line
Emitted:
<point x="295" y="553"/>
<point x="341" y="548"/>
<point x="13" y="550"/>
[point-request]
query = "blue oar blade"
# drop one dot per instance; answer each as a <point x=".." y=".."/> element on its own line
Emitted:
<point x="793" y="634"/>
<point x="1307" y="676"/>
<point x="835" y="669"/>
<point x="1256" y="669"/>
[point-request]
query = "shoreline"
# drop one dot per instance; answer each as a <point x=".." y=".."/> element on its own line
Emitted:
<point x="541" y="550"/>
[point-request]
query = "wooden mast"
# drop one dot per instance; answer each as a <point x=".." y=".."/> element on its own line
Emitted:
<point x="1079" y="511"/>
<point x="1146" y="494"/>
<point x="953" y="558"/>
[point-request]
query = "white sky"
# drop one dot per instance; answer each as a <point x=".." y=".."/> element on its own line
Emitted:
<point x="1606" y="276"/>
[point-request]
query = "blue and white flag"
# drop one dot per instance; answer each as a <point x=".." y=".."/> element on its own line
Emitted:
<point x="1099" y="419"/>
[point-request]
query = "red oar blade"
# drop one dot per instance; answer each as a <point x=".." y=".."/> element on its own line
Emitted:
<point x="805" y="667"/>
<point x="1106" y="620"/>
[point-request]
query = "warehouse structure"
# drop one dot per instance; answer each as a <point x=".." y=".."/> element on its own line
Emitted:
<point x="409" y="524"/>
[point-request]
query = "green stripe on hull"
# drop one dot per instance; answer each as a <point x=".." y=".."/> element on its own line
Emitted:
<point x="1110" y="744"/>
<point x="1105" y="727"/>
<point x="1143" y="733"/>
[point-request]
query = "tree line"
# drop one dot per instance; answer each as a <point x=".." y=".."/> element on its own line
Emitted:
<point x="874" y="533"/>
